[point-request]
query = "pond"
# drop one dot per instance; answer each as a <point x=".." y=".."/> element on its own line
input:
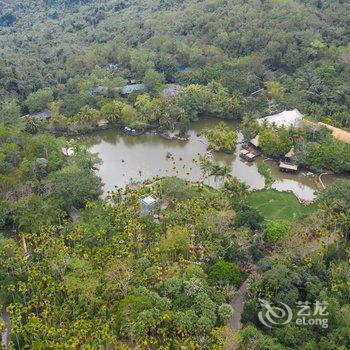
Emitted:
<point x="136" y="158"/>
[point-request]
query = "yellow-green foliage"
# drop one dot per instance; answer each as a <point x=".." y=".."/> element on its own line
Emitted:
<point x="275" y="142"/>
<point x="222" y="138"/>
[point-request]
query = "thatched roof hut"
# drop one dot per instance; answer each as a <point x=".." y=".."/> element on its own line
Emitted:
<point x="255" y="141"/>
<point x="288" y="168"/>
<point x="291" y="153"/>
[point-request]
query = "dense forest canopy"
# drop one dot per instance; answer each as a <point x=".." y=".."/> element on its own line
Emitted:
<point x="169" y="264"/>
<point x="302" y="45"/>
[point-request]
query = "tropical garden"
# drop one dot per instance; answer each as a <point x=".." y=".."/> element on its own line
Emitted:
<point x="80" y="270"/>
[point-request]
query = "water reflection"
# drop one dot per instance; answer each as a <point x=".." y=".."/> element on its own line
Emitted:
<point x="145" y="156"/>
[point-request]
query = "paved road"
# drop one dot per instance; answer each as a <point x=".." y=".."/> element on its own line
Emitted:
<point x="237" y="302"/>
<point x="5" y="335"/>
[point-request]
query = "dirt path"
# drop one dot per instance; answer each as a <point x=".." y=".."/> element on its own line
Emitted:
<point x="5" y="335"/>
<point x="237" y="303"/>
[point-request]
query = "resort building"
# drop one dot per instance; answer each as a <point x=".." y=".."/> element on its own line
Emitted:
<point x="147" y="204"/>
<point x="255" y="141"/>
<point x="247" y="155"/>
<point x="129" y="89"/>
<point x="290" y="155"/>
<point x="288" y="167"/>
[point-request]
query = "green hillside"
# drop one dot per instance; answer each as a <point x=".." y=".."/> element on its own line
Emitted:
<point x="166" y="263"/>
<point x="302" y="45"/>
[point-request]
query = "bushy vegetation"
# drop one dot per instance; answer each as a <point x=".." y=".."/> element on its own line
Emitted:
<point x="78" y="271"/>
<point x="276" y="230"/>
<point x="314" y="146"/>
<point x="295" y="51"/>
<point x="275" y="63"/>
<point x="320" y="152"/>
<point x="222" y="138"/>
<point x="118" y="277"/>
<point x="311" y="279"/>
<point x="39" y="184"/>
<point x="337" y="194"/>
<point x="265" y="171"/>
<point x="81" y="272"/>
<point x="275" y="143"/>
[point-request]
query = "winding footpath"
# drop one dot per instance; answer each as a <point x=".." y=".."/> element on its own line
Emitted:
<point x="5" y="335"/>
<point x="237" y="303"/>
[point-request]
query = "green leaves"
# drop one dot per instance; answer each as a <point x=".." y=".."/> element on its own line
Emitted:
<point x="10" y="112"/>
<point x="275" y="143"/>
<point x="154" y="81"/>
<point x="223" y="272"/>
<point x="265" y="171"/>
<point x="332" y="155"/>
<point x="73" y="187"/>
<point x="225" y="312"/>
<point x="222" y="138"/>
<point x="276" y="230"/>
<point x="39" y="100"/>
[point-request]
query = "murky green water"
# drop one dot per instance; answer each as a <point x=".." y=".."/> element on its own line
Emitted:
<point x="140" y="157"/>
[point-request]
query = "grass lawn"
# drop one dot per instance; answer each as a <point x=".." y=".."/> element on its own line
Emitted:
<point x="279" y="205"/>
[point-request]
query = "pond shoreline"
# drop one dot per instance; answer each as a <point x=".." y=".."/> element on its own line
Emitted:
<point x="154" y="128"/>
<point x="200" y="183"/>
<point x="121" y="127"/>
<point x="145" y="156"/>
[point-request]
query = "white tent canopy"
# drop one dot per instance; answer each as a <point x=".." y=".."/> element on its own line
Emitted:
<point x="285" y="118"/>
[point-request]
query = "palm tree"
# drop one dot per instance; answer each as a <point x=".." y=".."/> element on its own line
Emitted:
<point x="220" y="171"/>
<point x="206" y="166"/>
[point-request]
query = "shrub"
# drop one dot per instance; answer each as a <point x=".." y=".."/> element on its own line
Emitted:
<point x="225" y="312"/>
<point x="222" y="138"/>
<point x="265" y="171"/>
<point x="249" y="217"/>
<point x="223" y="272"/>
<point x="276" y="229"/>
<point x="275" y="143"/>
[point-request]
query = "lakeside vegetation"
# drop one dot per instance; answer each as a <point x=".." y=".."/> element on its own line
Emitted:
<point x="78" y="271"/>
<point x="82" y="81"/>
<point x="112" y="276"/>
<point x="265" y="171"/>
<point x="314" y="146"/>
<point x="221" y="138"/>
<point x="39" y="183"/>
<point x="295" y="51"/>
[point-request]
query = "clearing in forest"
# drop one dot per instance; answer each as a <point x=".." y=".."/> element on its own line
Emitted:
<point x="274" y="205"/>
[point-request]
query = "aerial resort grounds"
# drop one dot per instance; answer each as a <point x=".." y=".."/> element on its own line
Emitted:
<point x="175" y="175"/>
